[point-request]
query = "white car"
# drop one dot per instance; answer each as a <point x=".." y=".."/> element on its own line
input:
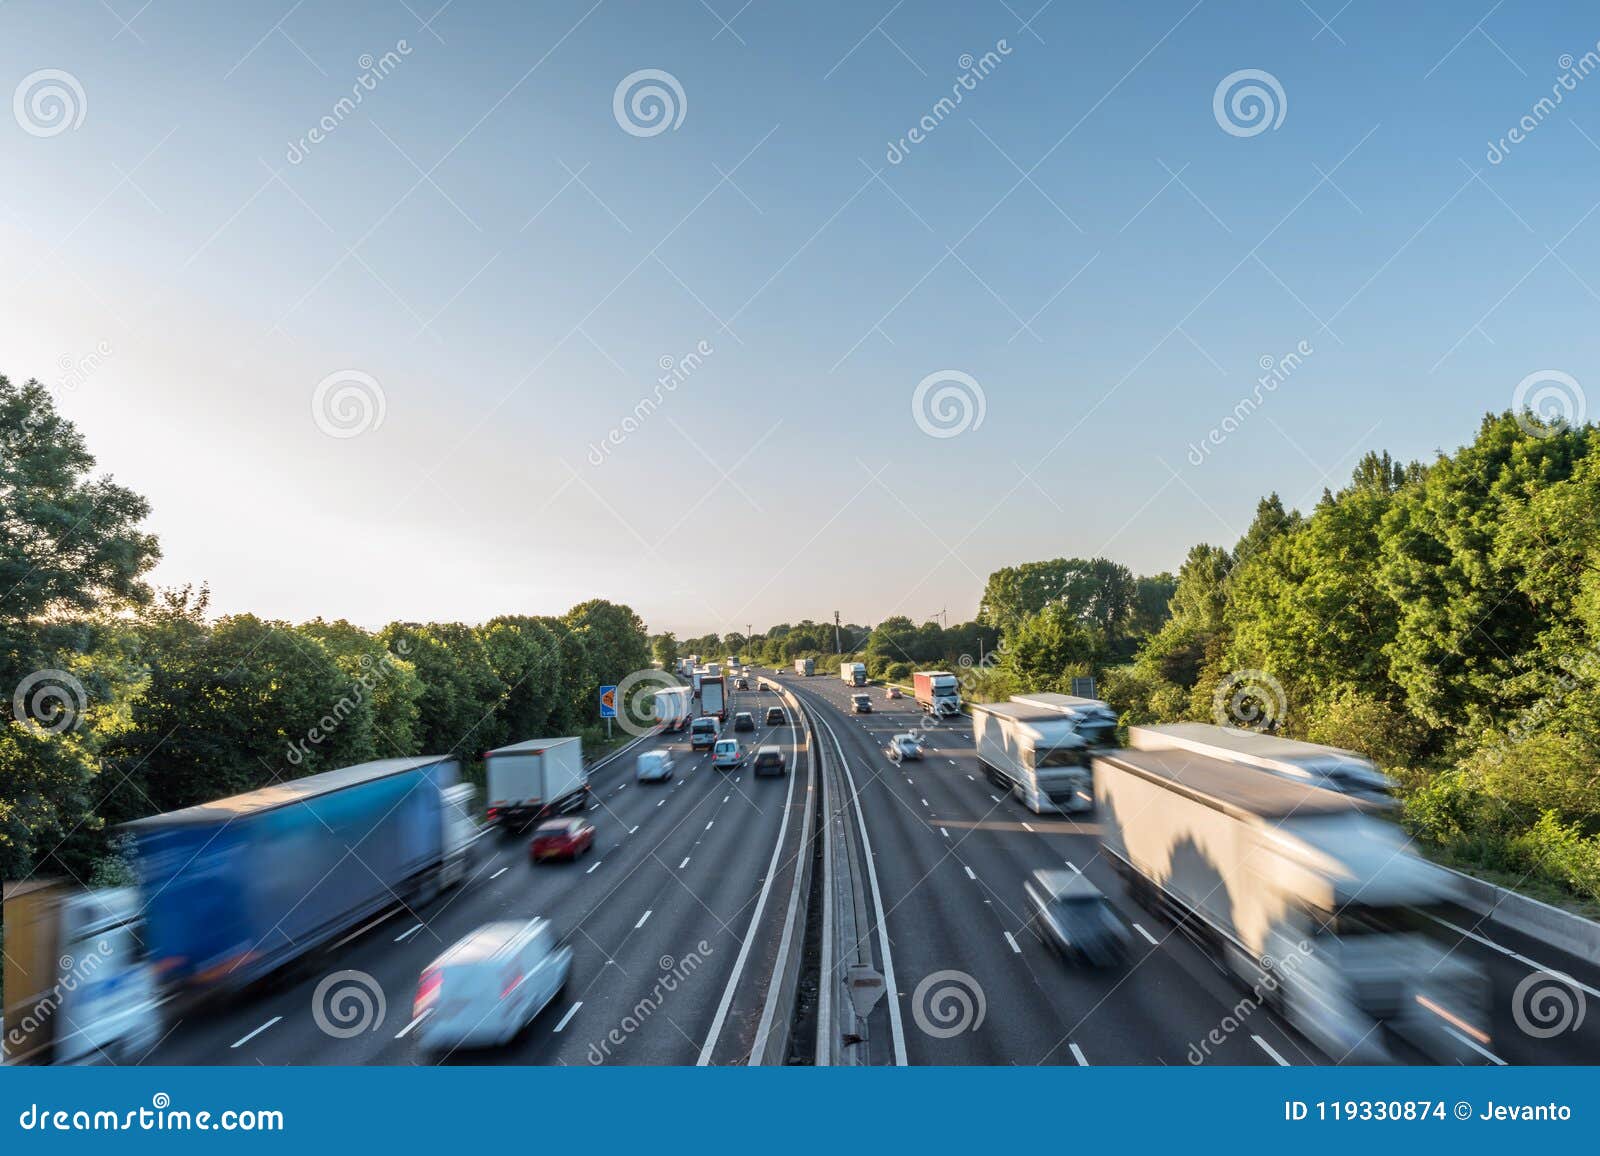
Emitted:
<point x="727" y="755"/>
<point x="490" y="985"/>
<point x="653" y="767"/>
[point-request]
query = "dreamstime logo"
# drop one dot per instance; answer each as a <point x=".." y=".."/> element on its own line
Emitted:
<point x="49" y="702"/>
<point x="348" y="1003"/>
<point x="973" y="69"/>
<point x="372" y="674"/>
<point x="1548" y="401"/>
<point x="347" y="403"/>
<point x="674" y="974"/>
<point x="1249" y="102"/>
<point x="649" y="102"/>
<point x="49" y="102"/>
<point x="636" y="699"/>
<point x="948" y="1003"/>
<point x="75" y="973"/>
<point x="948" y="403"/>
<point x="1275" y="371"/>
<point x="674" y="372"/>
<point x="373" y="69"/>
<point x="1572" y="71"/>
<point x="1251" y="699"/>
<point x="1546" y="1005"/>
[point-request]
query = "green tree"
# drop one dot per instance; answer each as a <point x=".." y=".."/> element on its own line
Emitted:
<point x="228" y="709"/>
<point x="69" y="545"/>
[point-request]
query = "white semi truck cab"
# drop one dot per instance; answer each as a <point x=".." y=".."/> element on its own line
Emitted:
<point x="1309" y="897"/>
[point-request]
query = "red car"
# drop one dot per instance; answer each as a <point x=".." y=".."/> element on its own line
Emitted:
<point x="561" y="839"/>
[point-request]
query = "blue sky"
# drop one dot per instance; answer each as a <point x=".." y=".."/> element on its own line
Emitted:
<point x="507" y="267"/>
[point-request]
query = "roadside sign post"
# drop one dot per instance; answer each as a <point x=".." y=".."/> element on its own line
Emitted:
<point x="608" y="707"/>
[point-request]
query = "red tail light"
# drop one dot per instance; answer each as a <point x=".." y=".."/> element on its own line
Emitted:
<point x="427" y="992"/>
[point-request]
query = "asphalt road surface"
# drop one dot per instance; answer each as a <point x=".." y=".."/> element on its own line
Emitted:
<point x="676" y="875"/>
<point x="952" y="853"/>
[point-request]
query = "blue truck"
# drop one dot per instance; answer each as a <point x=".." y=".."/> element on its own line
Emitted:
<point x="236" y="888"/>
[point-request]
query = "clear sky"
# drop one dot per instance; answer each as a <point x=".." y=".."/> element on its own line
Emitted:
<point x="1091" y="246"/>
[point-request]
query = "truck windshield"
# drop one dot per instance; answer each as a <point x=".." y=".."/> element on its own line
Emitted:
<point x="1098" y="733"/>
<point x="1058" y="757"/>
<point x="1374" y="919"/>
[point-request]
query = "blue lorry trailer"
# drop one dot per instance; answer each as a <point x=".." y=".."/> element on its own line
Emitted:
<point x="236" y="888"/>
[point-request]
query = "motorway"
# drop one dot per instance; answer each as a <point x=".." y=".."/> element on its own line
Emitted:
<point x="952" y="853"/>
<point x="676" y="876"/>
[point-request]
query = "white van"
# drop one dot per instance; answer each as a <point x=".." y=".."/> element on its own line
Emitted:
<point x="653" y="766"/>
<point x="490" y="985"/>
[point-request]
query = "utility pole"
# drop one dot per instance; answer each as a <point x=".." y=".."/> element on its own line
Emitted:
<point x="838" y="648"/>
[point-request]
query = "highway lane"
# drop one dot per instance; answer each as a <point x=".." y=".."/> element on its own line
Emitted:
<point x="997" y="827"/>
<point x="952" y="860"/>
<point x="663" y="901"/>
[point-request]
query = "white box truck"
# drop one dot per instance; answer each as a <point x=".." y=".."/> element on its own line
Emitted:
<point x="1094" y="721"/>
<point x="1307" y="896"/>
<point x="696" y="677"/>
<point x="853" y="673"/>
<point x="1036" y="753"/>
<point x="673" y="706"/>
<point x="938" y="693"/>
<point x="805" y="667"/>
<point x="1331" y="768"/>
<point x="532" y="780"/>
<point x="713" y="699"/>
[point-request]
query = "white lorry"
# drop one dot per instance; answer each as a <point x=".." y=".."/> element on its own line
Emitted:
<point x="853" y="673"/>
<point x="1036" y="753"/>
<point x="713" y="697"/>
<point x="673" y="706"/>
<point x="805" y="667"/>
<point x="696" y="677"/>
<point x="1093" y="721"/>
<point x="535" y="779"/>
<point x="938" y="693"/>
<point x="1306" y="896"/>
<point x="1328" y="767"/>
<point x="79" y="987"/>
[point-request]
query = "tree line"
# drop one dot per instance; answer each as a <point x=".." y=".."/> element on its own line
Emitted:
<point x="1442" y="618"/>
<point x="130" y="701"/>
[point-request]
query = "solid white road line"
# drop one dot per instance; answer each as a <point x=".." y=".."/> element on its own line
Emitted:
<point x="1520" y="958"/>
<point x="499" y="873"/>
<point x="970" y="875"/>
<point x="597" y="863"/>
<point x="684" y="864"/>
<point x="709" y="1047"/>
<point x="642" y="918"/>
<point x="257" y="1032"/>
<point x="1077" y="1054"/>
<point x="360" y="931"/>
<point x="571" y="1011"/>
<point x="1013" y="943"/>
<point x="1152" y="939"/>
<point x="1266" y="1047"/>
<point x="405" y="1031"/>
<point x="408" y="934"/>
